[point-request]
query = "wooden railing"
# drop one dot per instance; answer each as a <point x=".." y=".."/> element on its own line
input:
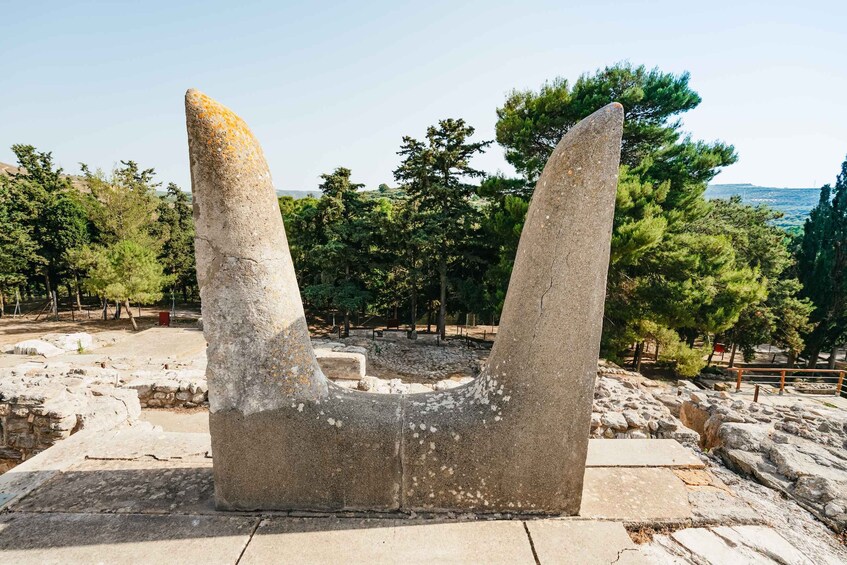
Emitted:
<point x="825" y="375"/>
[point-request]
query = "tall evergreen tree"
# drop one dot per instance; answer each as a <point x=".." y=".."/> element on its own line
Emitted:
<point x="435" y="175"/>
<point x="342" y="250"/>
<point x="822" y="267"/>
<point x="175" y="230"/>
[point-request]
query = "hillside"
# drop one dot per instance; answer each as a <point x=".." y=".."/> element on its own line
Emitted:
<point x="794" y="203"/>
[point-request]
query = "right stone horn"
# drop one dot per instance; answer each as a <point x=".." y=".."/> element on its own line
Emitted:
<point x="520" y="435"/>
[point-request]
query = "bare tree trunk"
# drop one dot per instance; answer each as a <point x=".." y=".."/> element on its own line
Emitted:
<point x="712" y="352"/>
<point x="429" y="316"/>
<point x="813" y="358"/>
<point x="442" y="308"/>
<point x="792" y="357"/>
<point x="131" y="317"/>
<point x="78" y="297"/>
<point x="2" y="304"/>
<point x="414" y="309"/>
<point x="347" y="323"/>
<point x="732" y="356"/>
<point x="832" y="353"/>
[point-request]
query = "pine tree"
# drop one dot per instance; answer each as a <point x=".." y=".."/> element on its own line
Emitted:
<point x="435" y="175"/>
<point x="822" y="267"/>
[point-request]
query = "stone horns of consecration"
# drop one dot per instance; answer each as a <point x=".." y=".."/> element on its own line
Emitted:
<point x="285" y="438"/>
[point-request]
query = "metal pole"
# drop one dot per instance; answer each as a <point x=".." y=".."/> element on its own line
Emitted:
<point x="840" y="383"/>
<point x="756" y="394"/>
<point x="781" y="382"/>
<point x="738" y="381"/>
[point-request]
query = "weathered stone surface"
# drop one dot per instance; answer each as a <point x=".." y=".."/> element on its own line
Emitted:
<point x="341" y="364"/>
<point x="582" y="541"/>
<point x="640" y="495"/>
<point x="41" y="538"/>
<point x="625" y="408"/>
<point x="795" y="449"/>
<point x="37" y="347"/>
<point x="320" y="541"/>
<point x="40" y="407"/>
<point x="641" y="453"/>
<point x="512" y="440"/>
<point x="120" y="486"/>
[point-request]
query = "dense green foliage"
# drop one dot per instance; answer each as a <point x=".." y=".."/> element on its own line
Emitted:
<point x="822" y="267"/>
<point x="108" y="234"/>
<point x="684" y="272"/>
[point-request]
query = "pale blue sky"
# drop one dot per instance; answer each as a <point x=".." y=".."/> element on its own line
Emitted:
<point x="328" y="84"/>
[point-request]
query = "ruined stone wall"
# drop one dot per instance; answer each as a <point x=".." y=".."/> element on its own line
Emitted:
<point x="39" y="407"/>
<point x="171" y="389"/>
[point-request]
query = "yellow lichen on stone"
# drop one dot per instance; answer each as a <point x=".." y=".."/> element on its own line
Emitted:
<point x="225" y="128"/>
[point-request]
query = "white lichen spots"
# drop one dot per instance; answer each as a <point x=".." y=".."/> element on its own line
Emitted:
<point x="497" y="418"/>
<point x="423" y="426"/>
<point x="432" y="429"/>
<point x="299" y="407"/>
<point x="431" y="446"/>
<point x="411" y="425"/>
<point x="338" y="423"/>
<point x="507" y="398"/>
<point x="416" y="435"/>
<point x="456" y="437"/>
<point x="330" y="420"/>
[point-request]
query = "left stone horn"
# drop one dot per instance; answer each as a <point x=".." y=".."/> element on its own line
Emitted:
<point x="259" y="353"/>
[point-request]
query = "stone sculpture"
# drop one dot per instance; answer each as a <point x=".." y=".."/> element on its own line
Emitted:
<point x="284" y="437"/>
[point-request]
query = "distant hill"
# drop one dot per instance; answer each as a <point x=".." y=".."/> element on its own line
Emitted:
<point x="298" y="194"/>
<point x="794" y="203"/>
<point x="8" y="169"/>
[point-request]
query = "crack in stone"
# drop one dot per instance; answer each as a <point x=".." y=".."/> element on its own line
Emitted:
<point x="620" y="554"/>
<point x="531" y="544"/>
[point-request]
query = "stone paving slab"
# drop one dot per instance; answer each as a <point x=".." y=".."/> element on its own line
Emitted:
<point x="641" y="453"/>
<point x="582" y="541"/>
<point x="634" y="495"/>
<point x="133" y="444"/>
<point x="29" y="475"/>
<point x="122" y="539"/>
<point x="142" y="487"/>
<point x="327" y="541"/>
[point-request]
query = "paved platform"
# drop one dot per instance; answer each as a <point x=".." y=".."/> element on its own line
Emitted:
<point x="141" y="495"/>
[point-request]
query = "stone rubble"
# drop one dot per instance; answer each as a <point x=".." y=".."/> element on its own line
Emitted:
<point x="798" y="450"/>
<point x="41" y="406"/>
<point x="52" y="345"/>
<point x="625" y="407"/>
<point x="182" y="388"/>
<point x="413" y="359"/>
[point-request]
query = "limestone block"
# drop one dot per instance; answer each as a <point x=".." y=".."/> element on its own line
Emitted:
<point x="341" y="364"/>
<point x="37" y="347"/>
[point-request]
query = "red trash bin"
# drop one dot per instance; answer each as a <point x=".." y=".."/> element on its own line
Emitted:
<point x="164" y="318"/>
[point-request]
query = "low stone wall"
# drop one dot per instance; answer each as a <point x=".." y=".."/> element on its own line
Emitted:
<point x="169" y="389"/>
<point x="39" y="407"/>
